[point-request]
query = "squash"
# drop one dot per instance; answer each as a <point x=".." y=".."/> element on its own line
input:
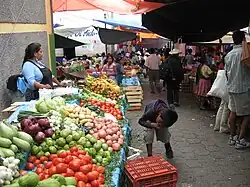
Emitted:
<point x="6" y="131"/>
<point x="21" y="144"/>
<point x="49" y="183"/>
<point x="25" y="136"/>
<point x="5" y="142"/>
<point x="29" y="180"/>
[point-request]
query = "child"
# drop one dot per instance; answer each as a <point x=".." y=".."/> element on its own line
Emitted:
<point x="157" y="117"/>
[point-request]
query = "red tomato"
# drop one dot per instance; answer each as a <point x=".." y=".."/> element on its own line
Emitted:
<point x="95" y="183"/>
<point x="81" y="184"/>
<point x="32" y="159"/>
<point x="42" y="176"/>
<point x="102" y="185"/>
<point x="70" y="172"/>
<point x="73" y="149"/>
<point x="85" y="169"/>
<point x="43" y="159"/>
<point x="90" y="166"/>
<point x="94" y="167"/>
<point x="91" y="176"/>
<point x="88" y="185"/>
<point x="22" y="172"/>
<point x="48" y="165"/>
<point x="37" y="162"/>
<point x="96" y="174"/>
<point x="81" y="152"/>
<point x="63" y="154"/>
<point x="81" y="177"/>
<point x="68" y="159"/>
<point x="39" y="170"/>
<point x="101" y="180"/>
<point x="46" y="176"/>
<point x="75" y="154"/>
<point x="88" y="159"/>
<point x="46" y="171"/>
<point x="61" y="168"/>
<point x="52" y="170"/>
<point x="52" y="156"/>
<point x="56" y="161"/>
<point x="100" y="169"/>
<point x="75" y="165"/>
<point x="64" y="174"/>
<point x="29" y="166"/>
<point x="41" y="166"/>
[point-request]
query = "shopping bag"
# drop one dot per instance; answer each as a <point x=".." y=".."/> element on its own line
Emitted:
<point x="219" y="87"/>
<point x="245" y="58"/>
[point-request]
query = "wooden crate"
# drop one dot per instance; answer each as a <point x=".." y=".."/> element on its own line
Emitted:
<point x="9" y="111"/>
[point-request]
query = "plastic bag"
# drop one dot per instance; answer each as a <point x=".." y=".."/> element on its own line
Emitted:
<point x="245" y="58"/>
<point x="219" y="87"/>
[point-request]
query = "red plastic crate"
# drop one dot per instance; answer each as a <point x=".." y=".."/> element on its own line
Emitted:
<point x="150" y="172"/>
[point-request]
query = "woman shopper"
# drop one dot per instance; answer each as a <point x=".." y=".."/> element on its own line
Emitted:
<point x="203" y="81"/>
<point x="174" y="76"/>
<point x="110" y="67"/>
<point x="36" y="74"/>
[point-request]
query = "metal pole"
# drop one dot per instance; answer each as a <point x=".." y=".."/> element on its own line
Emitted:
<point x="105" y="26"/>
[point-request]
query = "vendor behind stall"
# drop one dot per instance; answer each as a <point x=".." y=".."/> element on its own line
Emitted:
<point x="35" y="74"/>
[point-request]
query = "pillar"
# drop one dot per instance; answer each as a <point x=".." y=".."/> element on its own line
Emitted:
<point x="23" y="22"/>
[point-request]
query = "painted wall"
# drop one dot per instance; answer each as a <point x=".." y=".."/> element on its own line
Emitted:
<point x="22" y="22"/>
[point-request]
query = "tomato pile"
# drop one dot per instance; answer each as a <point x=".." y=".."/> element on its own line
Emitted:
<point x="74" y="163"/>
<point x="107" y="107"/>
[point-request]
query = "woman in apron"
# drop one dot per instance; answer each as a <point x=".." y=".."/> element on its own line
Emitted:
<point x="110" y="68"/>
<point x="36" y="74"/>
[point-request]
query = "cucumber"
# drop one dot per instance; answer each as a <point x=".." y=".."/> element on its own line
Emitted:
<point x="25" y="136"/>
<point x="7" y="152"/>
<point x="4" y="142"/>
<point x="22" y="144"/>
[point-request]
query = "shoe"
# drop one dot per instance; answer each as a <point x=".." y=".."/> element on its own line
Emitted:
<point x="232" y="140"/>
<point x="242" y="144"/>
<point x="170" y="154"/>
<point x="176" y="104"/>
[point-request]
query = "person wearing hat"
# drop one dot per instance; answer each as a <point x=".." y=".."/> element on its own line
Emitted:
<point x="174" y="76"/>
<point x="157" y="118"/>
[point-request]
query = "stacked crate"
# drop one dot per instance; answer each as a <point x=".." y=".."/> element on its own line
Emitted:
<point x="134" y="96"/>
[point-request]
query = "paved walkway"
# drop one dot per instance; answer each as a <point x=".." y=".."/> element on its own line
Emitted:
<point x="202" y="156"/>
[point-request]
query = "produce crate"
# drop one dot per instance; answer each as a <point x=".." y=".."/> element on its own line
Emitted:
<point x="150" y="172"/>
<point x="134" y="96"/>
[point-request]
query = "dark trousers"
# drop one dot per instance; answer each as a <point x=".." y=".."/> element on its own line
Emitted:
<point x="173" y="87"/>
<point x="154" y="80"/>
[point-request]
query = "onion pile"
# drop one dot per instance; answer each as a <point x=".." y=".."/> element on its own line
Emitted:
<point x="107" y="130"/>
<point x="39" y="129"/>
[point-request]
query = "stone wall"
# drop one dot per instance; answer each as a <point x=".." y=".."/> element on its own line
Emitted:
<point x="21" y="22"/>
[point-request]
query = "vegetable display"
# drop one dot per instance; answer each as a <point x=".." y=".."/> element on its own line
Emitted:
<point x="59" y="144"/>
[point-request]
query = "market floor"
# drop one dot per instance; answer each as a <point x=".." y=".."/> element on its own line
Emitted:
<point x="202" y="156"/>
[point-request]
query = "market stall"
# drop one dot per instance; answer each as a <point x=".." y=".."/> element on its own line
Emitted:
<point x="79" y="138"/>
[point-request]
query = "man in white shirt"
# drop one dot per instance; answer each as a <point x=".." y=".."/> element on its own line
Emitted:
<point x="152" y="64"/>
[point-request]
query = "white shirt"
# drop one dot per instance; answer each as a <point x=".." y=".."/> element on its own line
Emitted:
<point x="153" y="62"/>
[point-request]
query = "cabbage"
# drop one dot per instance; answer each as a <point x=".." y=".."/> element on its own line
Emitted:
<point x="41" y="106"/>
<point x="51" y="104"/>
<point x="59" y="101"/>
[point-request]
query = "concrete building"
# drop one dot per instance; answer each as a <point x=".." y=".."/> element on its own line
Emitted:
<point x="23" y="22"/>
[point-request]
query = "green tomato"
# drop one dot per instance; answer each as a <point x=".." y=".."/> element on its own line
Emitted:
<point x="107" y="154"/>
<point x="69" y="138"/>
<point x="66" y="147"/>
<point x="82" y="141"/>
<point x="94" y="161"/>
<point x="97" y="146"/>
<point x="93" y="140"/>
<point x="88" y="136"/>
<point x="82" y="133"/>
<point x="92" y="151"/>
<point x="65" y="132"/>
<point x="52" y="149"/>
<point x="45" y="148"/>
<point x="76" y="136"/>
<point x="102" y="140"/>
<point x="72" y="144"/>
<point x="47" y="154"/>
<point x="86" y="150"/>
<point x="61" y="142"/>
<point x="105" y="162"/>
<point x="41" y="153"/>
<point x="80" y="147"/>
<point x="110" y="149"/>
<point x="105" y="147"/>
<point x="88" y="144"/>
<point x="101" y="152"/>
<point x="59" y="151"/>
<point x="35" y="150"/>
<point x="98" y="164"/>
<point x="54" y="137"/>
<point x="98" y="158"/>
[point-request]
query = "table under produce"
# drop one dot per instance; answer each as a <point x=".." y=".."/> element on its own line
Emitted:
<point x="80" y="139"/>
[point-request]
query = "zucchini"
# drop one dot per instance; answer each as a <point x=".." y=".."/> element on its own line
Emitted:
<point x="4" y="142"/>
<point x="7" y="152"/>
<point x="25" y="136"/>
<point x="14" y="148"/>
<point x="22" y="144"/>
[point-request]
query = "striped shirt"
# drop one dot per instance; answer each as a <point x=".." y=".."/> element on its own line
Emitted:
<point x="238" y="74"/>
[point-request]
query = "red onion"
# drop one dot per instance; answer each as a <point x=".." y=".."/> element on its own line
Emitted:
<point x="49" y="132"/>
<point x="33" y="119"/>
<point x="25" y="123"/>
<point x="44" y="123"/>
<point x="40" y="137"/>
<point x="34" y="129"/>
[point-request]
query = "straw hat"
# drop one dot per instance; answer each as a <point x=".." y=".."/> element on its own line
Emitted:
<point x="175" y="52"/>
